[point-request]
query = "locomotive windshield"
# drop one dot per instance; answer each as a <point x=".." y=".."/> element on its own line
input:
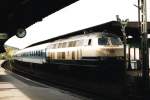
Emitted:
<point x="116" y="41"/>
<point x="109" y="40"/>
<point x="102" y="41"/>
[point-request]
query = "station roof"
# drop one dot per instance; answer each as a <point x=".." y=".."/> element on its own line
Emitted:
<point x="23" y="13"/>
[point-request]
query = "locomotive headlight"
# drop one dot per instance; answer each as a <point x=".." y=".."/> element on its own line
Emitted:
<point x="120" y="58"/>
<point x="102" y="58"/>
<point x="111" y="51"/>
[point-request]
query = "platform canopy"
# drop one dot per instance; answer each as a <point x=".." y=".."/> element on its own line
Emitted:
<point x="23" y="13"/>
<point x="15" y="14"/>
<point x="85" y="15"/>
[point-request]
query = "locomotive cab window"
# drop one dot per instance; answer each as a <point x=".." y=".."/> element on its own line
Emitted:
<point x="116" y="41"/>
<point x="111" y="40"/>
<point x="102" y="41"/>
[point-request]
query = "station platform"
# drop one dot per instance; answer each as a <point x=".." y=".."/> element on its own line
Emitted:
<point x="15" y="87"/>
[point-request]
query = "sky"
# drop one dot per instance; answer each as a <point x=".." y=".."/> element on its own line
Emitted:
<point x="79" y="15"/>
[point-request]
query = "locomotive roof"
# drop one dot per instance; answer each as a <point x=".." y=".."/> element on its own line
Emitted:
<point x="113" y="27"/>
<point x="84" y="35"/>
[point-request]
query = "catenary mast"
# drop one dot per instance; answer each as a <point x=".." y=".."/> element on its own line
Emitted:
<point x="144" y="42"/>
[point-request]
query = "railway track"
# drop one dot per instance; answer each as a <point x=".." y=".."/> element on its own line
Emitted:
<point x="75" y="82"/>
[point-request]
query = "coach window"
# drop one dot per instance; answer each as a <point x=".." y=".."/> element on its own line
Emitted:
<point x="41" y="52"/>
<point x="59" y="45"/>
<point x="33" y="53"/>
<point x="77" y="43"/>
<point x="54" y="46"/>
<point x="37" y="53"/>
<point x="51" y="46"/>
<point x="81" y="42"/>
<point x="74" y="43"/>
<point x="64" y="45"/>
<point x="70" y="44"/>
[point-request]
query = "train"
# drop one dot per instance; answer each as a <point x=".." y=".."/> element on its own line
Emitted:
<point x="95" y="50"/>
